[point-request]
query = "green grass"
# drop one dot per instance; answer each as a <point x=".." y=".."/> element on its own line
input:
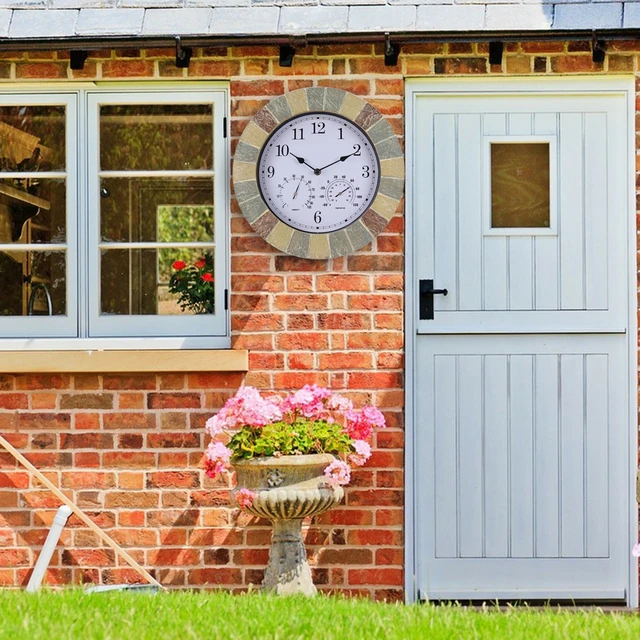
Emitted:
<point x="212" y="616"/>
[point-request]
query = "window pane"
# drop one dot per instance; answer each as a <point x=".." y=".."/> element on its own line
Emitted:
<point x="32" y="138"/>
<point x="137" y="281"/>
<point x="520" y="185"/>
<point x="152" y="210"/>
<point x="33" y="283"/>
<point x="32" y="211"/>
<point x="156" y="137"/>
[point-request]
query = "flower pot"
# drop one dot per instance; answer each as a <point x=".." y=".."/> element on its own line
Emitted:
<point x="287" y="490"/>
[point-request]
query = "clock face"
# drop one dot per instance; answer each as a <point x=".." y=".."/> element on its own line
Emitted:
<point x="318" y="172"/>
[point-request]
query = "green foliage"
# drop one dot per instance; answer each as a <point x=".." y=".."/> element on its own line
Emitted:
<point x="300" y="437"/>
<point x="187" y="615"/>
<point x="194" y="285"/>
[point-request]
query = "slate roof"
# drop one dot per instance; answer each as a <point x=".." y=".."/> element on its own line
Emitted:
<point x="87" y="20"/>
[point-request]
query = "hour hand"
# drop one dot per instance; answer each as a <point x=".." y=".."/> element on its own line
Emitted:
<point x="303" y="161"/>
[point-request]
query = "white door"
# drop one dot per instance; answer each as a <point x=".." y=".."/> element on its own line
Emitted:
<point x="519" y="203"/>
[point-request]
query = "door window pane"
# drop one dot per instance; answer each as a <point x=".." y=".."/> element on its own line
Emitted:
<point x="520" y="195"/>
<point x="156" y="137"/>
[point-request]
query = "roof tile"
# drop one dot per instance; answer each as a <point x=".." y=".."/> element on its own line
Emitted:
<point x="43" y="23"/>
<point x="399" y="18"/>
<point x="588" y="16"/>
<point x="450" y="18"/>
<point x="320" y="20"/>
<point x="177" y="21"/>
<point x="244" y="21"/>
<point x="112" y="22"/>
<point x="521" y="17"/>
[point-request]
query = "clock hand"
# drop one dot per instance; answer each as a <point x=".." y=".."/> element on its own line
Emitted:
<point x="302" y="161"/>
<point x="341" y="159"/>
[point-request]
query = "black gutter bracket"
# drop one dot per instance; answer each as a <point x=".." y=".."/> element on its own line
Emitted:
<point x="391" y="51"/>
<point x="598" y="49"/>
<point x="183" y="55"/>
<point x="495" y="52"/>
<point x="77" y="59"/>
<point x="287" y="52"/>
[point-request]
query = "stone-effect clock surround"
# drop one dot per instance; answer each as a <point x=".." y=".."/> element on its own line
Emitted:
<point x="336" y="243"/>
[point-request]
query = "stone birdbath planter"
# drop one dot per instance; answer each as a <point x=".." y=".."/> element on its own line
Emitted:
<point x="292" y="455"/>
<point x="288" y="489"/>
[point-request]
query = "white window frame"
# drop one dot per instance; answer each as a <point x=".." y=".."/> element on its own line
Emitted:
<point x="82" y="328"/>
<point x="552" y="229"/>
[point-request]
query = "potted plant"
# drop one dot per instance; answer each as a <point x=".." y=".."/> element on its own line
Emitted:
<point x="292" y="456"/>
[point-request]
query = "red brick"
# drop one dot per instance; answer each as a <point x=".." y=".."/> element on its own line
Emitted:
<point x="87" y="480"/>
<point x="257" y="88"/>
<point x="375" y="576"/>
<point x="14" y="557"/>
<point x="375" y="497"/>
<point x="348" y="360"/>
<point x="214" y="576"/>
<point x="129" y="460"/>
<point x="90" y="557"/>
<point x="186" y="479"/>
<point x="302" y="341"/>
<point x="174" y="400"/>
<point x="86" y="401"/>
<point x="122" y="420"/>
<point x="43" y="381"/>
<point x="14" y="401"/>
<point x="174" y="440"/>
<point x="140" y="382"/>
<point x="127" y="69"/>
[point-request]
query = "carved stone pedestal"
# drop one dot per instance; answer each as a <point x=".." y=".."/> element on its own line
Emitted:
<point x="288" y="489"/>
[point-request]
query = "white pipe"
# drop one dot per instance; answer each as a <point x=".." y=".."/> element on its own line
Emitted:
<point x="47" y="550"/>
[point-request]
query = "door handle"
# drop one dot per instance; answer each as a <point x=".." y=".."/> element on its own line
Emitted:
<point x="426" y="298"/>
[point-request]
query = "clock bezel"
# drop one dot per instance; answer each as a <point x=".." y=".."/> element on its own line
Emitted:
<point x="362" y="230"/>
<point x="318" y="113"/>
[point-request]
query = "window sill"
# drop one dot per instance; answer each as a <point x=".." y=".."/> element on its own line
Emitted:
<point x="124" y="361"/>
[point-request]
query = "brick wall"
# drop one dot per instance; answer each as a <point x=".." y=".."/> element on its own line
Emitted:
<point x="128" y="448"/>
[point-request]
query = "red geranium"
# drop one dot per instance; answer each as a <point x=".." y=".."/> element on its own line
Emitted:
<point x="194" y="285"/>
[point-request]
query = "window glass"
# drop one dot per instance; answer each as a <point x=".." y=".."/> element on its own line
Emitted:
<point x="520" y="194"/>
<point x="156" y="137"/>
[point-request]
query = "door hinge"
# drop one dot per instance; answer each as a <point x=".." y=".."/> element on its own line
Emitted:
<point x="224" y="127"/>
<point x="226" y="299"/>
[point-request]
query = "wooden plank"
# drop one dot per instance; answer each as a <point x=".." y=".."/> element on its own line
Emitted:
<point x="470" y="476"/>
<point x="597" y="430"/>
<point x="445" y="210"/>
<point x="572" y="455"/>
<point x="521" y="455"/>
<point x="469" y="187"/>
<point x="81" y="514"/>
<point x="445" y="457"/>
<point x="571" y="211"/>
<point x="520" y="256"/>
<point x="547" y="480"/>
<point x="596" y="214"/>
<point x="496" y="458"/>
<point x="118" y="361"/>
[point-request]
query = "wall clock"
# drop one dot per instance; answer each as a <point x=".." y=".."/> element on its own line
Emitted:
<point x="318" y="173"/>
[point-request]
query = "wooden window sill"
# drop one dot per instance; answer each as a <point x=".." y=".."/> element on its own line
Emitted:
<point x="165" y="361"/>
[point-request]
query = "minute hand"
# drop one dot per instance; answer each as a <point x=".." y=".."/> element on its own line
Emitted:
<point x="341" y="159"/>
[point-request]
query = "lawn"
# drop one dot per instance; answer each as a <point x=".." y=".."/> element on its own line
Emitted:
<point x="221" y="616"/>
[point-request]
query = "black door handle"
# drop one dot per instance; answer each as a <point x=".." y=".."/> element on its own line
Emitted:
<point x="426" y="298"/>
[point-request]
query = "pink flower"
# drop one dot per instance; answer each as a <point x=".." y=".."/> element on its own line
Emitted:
<point x="216" y="459"/>
<point x="362" y="453"/>
<point x="214" y="425"/>
<point x="244" y="498"/>
<point x="207" y="277"/>
<point x="338" y="472"/>
<point x="636" y="550"/>
<point x="247" y="407"/>
<point x="200" y="263"/>
<point x="361" y="423"/>
<point x="179" y="265"/>
<point x="339" y="403"/>
<point x="308" y="402"/>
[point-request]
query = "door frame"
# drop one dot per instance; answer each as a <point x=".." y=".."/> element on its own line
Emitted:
<point x="562" y="85"/>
